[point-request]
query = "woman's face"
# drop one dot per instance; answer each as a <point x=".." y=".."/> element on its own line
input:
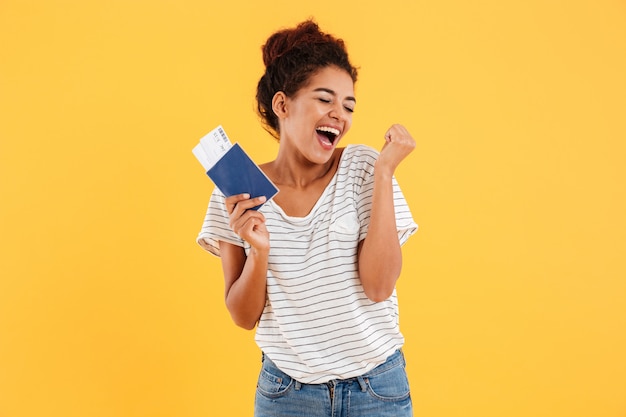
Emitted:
<point x="319" y="114"/>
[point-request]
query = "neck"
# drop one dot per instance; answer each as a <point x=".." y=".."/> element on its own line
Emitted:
<point x="293" y="169"/>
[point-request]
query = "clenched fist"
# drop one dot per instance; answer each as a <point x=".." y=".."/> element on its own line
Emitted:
<point x="398" y="145"/>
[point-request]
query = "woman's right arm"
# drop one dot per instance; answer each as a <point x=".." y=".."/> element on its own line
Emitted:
<point x="245" y="277"/>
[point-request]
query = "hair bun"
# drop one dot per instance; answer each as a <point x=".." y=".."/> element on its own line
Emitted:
<point x="283" y="41"/>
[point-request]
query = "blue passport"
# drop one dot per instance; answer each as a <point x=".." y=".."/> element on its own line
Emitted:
<point x="235" y="173"/>
<point x="230" y="168"/>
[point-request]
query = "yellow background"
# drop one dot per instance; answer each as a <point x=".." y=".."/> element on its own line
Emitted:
<point x="513" y="294"/>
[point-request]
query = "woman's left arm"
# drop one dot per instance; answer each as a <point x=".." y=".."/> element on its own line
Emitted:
<point x="380" y="257"/>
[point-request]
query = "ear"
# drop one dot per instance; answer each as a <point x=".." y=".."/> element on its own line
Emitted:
<point x="279" y="104"/>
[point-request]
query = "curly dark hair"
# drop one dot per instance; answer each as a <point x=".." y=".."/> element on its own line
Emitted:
<point x="291" y="57"/>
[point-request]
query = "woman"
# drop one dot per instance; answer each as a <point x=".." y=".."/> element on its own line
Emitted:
<point x="315" y="267"/>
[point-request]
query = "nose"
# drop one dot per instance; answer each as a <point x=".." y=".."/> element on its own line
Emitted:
<point x="337" y="112"/>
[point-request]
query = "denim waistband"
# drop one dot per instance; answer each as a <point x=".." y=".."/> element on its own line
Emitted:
<point x="395" y="359"/>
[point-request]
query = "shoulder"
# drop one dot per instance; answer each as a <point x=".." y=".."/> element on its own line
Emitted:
<point x="360" y="152"/>
<point x="359" y="156"/>
<point x="357" y="164"/>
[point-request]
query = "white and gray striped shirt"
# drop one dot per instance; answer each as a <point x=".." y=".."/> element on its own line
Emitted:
<point x="317" y="324"/>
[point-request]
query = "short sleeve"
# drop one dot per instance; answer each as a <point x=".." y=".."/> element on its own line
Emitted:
<point x="215" y="227"/>
<point x="364" y="189"/>
<point x="405" y="224"/>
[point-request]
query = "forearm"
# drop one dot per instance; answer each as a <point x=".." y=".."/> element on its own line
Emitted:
<point x="380" y="256"/>
<point x="245" y="299"/>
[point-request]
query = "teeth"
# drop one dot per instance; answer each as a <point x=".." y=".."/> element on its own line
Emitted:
<point x="329" y="130"/>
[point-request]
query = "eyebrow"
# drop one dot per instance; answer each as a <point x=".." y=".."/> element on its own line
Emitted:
<point x="329" y="91"/>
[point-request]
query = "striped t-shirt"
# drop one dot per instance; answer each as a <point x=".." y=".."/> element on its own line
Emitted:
<point x="317" y="324"/>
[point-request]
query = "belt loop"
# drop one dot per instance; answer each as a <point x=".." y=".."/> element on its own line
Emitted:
<point x="362" y="383"/>
<point x="298" y="385"/>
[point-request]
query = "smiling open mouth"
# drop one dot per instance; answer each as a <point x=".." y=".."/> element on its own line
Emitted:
<point x="329" y="132"/>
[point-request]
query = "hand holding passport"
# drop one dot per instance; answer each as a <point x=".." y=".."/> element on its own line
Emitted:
<point x="230" y="168"/>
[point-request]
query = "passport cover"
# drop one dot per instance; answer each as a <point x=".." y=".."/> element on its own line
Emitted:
<point x="235" y="173"/>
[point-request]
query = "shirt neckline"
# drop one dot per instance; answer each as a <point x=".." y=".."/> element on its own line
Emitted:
<point x="321" y="198"/>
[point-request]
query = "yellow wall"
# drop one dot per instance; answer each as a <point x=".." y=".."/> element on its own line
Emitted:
<point x="513" y="294"/>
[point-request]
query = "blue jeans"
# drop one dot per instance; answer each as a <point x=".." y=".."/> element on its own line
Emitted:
<point x="381" y="392"/>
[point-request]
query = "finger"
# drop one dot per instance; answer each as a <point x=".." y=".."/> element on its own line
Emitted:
<point x="388" y="135"/>
<point x="237" y="206"/>
<point x="394" y="132"/>
<point x="232" y="201"/>
<point x="246" y="224"/>
<point x="242" y="213"/>
<point x="240" y="217"/>
<point x="397" y="129"/>
<point x="251" y="202"/>
<point x="399" y="134"/>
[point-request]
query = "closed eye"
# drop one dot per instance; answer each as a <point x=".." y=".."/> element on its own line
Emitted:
<point x="328" y="101"/>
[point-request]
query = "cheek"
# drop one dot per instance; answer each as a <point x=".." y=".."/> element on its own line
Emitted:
<point x="306" y="114"/>
<point x="348" y="124"/>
